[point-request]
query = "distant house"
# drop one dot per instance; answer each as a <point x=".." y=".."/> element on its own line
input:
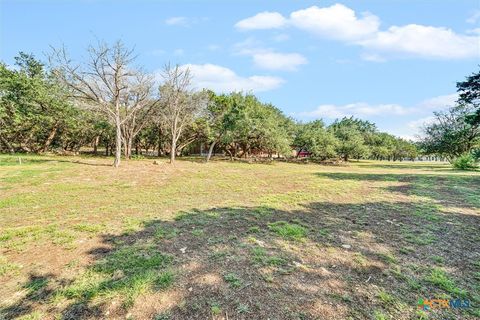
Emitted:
<point x="302" y="153"/>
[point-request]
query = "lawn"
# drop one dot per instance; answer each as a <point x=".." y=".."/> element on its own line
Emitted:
<point x="82" y="240"/>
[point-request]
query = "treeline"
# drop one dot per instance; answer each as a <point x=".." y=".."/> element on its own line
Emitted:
<point x="106" y="103"/>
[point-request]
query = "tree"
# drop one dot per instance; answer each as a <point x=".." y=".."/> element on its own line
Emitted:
<point x="271" y="132"/>
<point x="216" y="117"/>
<point x="451" y="134"/>
<point x="314" y="138"/>
<point x="404" y="149"/>
<point x="180" y="106"/>
<point x="382" y="145"/>
<point x="350" y="134"/>
<point x="109" y="84"/>
<point x="469" y="93"/>
<point x="246" y="126"/>
<point x="33" y="110"/>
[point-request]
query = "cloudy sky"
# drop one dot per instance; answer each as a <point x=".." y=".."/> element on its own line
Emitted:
<point x="392" y="62"/>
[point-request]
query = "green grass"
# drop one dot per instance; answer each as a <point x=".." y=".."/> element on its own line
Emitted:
<point x="35" y="285"/>
<point x="261" y="257"/>
<point x="386" y="298"/>
<point x="420" y="238"/>
<point x="289" y="231"/>
<point x="126" y="272"/>
<point x="438" y="260"/>
<point x="389" y="258"/>
<point x="233" y="280"/>
<point x="215" y="309"/>
<point x="441" y="279"/>
<point x="7" y="267"/>
<point x="243" y="308"/>
<point x="379" y="315"/>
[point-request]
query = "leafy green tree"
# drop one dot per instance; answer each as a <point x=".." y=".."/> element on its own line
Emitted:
<point x="382" y="145"/>
<point x="33" y="107"/>
<point x="404" y="149"/>
<point x="242" y="126"/>
<point x="469" y="93"/>
<point x="314" y="138"/>
<point x="217" y="119"/>
<point x="351" y="134"/>
<point x="273" y="131"/>
<point x="451" y="134"/>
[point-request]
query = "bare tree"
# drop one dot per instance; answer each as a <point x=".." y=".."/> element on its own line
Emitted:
<point x="180" y="105"/>
<point x="107" y="82"/>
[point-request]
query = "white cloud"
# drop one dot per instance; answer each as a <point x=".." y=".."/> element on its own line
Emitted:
<point x="157" y="52"/>
<point x="267" y="58"/>
<point x="362" y="109"/>
<point x="474" y="17"/>
<point x="336" y="22"/>
<point x="222" y="79"/>
<point x="178" y="52"/>
<point x="440" y="102"/>
<point x="374" y="57"/>
<point x="417" y="125"/>
<point x="214" y="47"/>
<point x="248" y="46"/>
<point x="282" y="37"/>
<point x="341" y="23"/>
<point x="279" y="61"/>
<point x="408" y="121"/>
<point x="184" y="21"/>
<point x="262" y="20"/>
<point x="474" y="31"/>
<point x="424" y="41"/>
<point x="358" y="109"/>
<point x="177" y="21"/>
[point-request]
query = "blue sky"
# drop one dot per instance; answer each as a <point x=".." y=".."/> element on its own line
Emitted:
<point x="392" y="62"/>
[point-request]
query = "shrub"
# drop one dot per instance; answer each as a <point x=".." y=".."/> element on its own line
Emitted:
<point x="465" y="162"/>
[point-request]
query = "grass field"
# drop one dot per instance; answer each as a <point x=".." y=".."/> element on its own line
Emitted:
<point x="81" y="240"/>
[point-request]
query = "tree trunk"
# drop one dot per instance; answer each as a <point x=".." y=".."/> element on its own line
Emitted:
<point x="210" y="150"/>
<point x="118" y="141"/>
<point x="95" y="144"/>
<point x="230" y="154"/>
<point x="50" y="138"/>
<point x="173" y="150"/>
<point x="128" y="150"/>
<point x="345" y="157"/>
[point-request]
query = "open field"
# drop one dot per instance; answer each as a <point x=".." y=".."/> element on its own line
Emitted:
<point x="82" y="240"/>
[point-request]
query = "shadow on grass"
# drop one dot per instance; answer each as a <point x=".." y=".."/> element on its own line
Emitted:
<point x="407" y="165"/>
<point x="326" y="260"/>
<point x="459" y="190"/>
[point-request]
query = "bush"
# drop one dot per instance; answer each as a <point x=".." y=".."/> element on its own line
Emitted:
<point x="465" y="162"/>
<point x="476" y="154"/>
